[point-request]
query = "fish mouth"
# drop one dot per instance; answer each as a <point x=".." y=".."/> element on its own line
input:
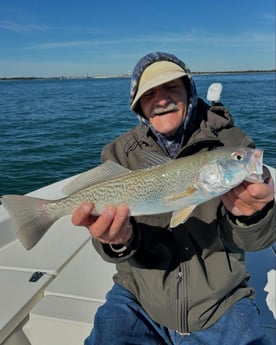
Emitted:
<point x="169" y="108"/>
<point x="255" y="167"/>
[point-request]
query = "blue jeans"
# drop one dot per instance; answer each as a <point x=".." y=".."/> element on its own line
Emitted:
<point x="122" y="321"/>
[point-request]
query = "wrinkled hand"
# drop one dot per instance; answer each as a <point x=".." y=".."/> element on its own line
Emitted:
<point x="112" y="226"/>
<point x="248" y="198"/>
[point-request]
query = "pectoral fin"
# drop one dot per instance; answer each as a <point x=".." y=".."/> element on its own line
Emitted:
<point x="188" y="192"/>
<point x="181" y="216"/>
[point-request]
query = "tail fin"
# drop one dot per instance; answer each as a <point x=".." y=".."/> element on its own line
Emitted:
<point x="30" y="217"/>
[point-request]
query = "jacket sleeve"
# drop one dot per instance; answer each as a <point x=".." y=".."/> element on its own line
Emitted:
<point x="252" y="235"/>
<point x="122" y="253"/>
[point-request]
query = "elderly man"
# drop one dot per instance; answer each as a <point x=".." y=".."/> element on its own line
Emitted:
<point x="186" y="285"/>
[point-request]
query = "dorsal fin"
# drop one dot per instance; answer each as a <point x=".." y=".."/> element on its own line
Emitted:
<point x="153" y="159"/>
<point x="101" y="173"/>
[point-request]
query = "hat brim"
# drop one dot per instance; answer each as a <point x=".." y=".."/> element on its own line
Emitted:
<point x="157" y="74"/>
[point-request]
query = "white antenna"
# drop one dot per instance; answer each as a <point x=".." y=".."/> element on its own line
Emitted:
<point x="214" y="92"/>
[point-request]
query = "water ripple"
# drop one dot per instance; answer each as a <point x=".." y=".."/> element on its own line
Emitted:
<point x="52" y="129"/>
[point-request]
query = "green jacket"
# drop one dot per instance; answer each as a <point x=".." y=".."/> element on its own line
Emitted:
<point x="187" y="277"/>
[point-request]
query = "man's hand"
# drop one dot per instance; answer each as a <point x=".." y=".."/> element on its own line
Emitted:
<point x="248" y="198"/>
<point x="112" y="226"/>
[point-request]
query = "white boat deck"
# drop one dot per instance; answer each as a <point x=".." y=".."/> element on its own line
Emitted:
<point x="72" y="280"/>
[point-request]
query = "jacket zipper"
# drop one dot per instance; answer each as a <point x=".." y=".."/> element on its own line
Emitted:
<point x="181" y="300"/>
<point x="178" y="282"/>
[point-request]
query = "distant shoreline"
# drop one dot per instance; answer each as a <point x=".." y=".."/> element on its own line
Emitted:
<point x="129" y="76"/>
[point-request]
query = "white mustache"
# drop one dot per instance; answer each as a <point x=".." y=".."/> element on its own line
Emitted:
<point x="157" y="110"/>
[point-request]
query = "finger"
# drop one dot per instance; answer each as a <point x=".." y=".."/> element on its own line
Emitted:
<point x="262" y="192"/>
<point x="242" y="202"/>
<point x="82" y="215"/>
<point x="120" y="221"/>
<point x="238" y="201"/>
<point x="112" y="226"/>
<point x="102" y="224"/>
<point x="240" y="192"/>
<point x="247" y="198"/>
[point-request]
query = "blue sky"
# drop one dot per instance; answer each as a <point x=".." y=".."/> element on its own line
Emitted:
<point x="72" y="38"/>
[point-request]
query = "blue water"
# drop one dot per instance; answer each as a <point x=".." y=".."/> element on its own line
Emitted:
<point x="52" y="129"/>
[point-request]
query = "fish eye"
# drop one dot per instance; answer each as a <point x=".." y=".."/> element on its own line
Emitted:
<point x="237" y="156"/>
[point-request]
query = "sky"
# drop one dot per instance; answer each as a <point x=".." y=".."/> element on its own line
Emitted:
<point x="50" y="38"/>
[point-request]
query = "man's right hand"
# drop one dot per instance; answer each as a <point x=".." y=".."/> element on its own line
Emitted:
<point x="112" y="226"/>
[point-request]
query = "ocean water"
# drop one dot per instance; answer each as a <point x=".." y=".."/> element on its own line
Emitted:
<point x="53" y="129"/>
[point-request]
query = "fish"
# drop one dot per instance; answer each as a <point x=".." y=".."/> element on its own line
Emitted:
<point x="167" y="185"/>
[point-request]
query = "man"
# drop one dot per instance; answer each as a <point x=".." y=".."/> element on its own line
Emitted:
<point x="186" y="285"/>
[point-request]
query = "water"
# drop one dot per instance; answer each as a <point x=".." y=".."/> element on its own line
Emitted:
<point x="52" y="129"/>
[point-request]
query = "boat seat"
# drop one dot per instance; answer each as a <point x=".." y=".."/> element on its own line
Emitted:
<point x="18" y="296"/>
<point x="87" y="276"/>
<point x="65" y="315"/>
<point x="60" y="320"/>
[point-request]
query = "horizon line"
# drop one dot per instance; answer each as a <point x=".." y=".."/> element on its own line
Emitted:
<point x="128" y="75"/>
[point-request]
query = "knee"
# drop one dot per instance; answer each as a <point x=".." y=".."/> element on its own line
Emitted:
<point x="114" y="315"/>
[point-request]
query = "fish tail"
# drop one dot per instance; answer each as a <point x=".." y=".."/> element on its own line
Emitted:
<point x="30" y="216"/>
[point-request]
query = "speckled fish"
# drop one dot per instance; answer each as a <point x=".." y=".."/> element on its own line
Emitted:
<point x="176" y="186"/>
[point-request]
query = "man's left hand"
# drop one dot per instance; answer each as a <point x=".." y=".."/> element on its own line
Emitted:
<point x="248" y="198"/>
